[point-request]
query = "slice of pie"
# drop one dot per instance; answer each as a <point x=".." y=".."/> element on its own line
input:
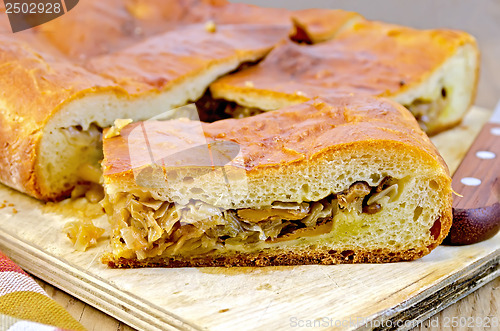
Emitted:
<point x="431" y="72"/>
<point x="332" y="180"/>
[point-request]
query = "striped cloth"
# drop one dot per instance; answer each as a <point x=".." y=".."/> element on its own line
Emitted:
<point x="24" y="305"/>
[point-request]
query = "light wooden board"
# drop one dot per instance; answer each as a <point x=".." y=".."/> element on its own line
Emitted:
<point x="251" y="298"/>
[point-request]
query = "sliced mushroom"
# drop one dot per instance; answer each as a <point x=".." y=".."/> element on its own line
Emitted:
<point x="354" y="192"/>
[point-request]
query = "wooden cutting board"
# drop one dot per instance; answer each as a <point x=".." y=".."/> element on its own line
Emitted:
<point x="324" y="297"/>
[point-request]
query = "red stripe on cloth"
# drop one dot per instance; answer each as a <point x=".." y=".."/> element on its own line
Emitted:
<point x="7" y="265"/>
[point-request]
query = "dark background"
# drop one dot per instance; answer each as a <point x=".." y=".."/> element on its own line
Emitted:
<point x="480" y="18"/>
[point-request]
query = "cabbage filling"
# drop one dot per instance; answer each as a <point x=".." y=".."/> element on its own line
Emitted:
<point x="425" y="110"/>
<point x="144" y="227"/>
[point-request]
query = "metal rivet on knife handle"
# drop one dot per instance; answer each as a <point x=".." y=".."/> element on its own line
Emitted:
<point x="485" y="155"/>
<point x="470" y="181"/>
<point x="495" y="131"/>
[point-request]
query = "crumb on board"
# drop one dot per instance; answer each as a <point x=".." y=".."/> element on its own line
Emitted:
<point x="14" y="210"/>
<point x="7" y="204"/>
<point x="83" y="234"/>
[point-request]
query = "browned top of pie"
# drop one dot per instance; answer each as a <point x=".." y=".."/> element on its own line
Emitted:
<point x="374" y="58"/>
<point x="293" y="134"/>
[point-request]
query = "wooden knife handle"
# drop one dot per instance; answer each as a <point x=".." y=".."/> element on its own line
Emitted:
<point x="476" y="215"/>
<point x="482" y="162"/>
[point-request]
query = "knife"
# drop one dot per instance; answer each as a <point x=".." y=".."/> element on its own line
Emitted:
<point x="476" y="211"/>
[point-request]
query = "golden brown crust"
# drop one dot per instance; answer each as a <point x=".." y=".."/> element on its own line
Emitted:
<point x="274" y="258"/>
<point x="317" y="25"/>
<point x="293" y="135"/>
<point x="122" y="23"/>
<point x="370" y="58"/>
<point x="163" y="61"/>
<point x="44" y="69"/>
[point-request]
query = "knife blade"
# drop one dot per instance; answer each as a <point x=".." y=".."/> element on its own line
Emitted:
<point x="476" y="212"/>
